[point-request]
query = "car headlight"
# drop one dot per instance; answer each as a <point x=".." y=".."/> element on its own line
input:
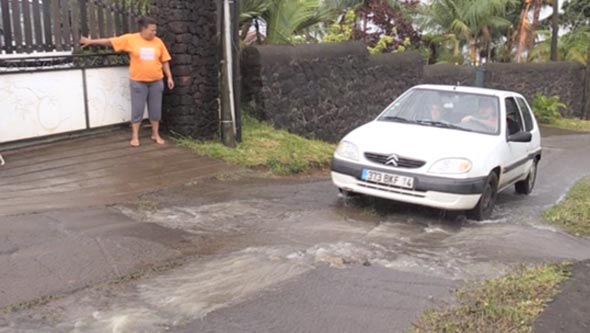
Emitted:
<point x="348" y="150"/>
<point x="451" y="166"/>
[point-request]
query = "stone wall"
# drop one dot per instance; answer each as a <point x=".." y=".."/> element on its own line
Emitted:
<point x="564" y="79"/>
<point x="449" y="74"/>
<point x="324" y="90"/>
<point x="189" y="30"/>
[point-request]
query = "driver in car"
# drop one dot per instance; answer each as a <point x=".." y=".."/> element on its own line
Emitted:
<point x="436" y="112"/>
<point x="487" y="116"/>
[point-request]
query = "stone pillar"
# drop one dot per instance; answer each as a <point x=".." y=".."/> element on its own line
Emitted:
<point x="189" y="30"/>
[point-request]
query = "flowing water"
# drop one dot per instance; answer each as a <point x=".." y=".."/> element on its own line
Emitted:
<point x="281" y="231"/>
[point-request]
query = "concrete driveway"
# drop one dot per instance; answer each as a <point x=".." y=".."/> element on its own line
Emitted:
<point x="291" y="256"/>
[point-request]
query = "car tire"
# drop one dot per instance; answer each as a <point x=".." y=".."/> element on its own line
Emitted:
<point x="347" y="194"/>
<point x="526" y="186"/>
<point x="487" y="202"/>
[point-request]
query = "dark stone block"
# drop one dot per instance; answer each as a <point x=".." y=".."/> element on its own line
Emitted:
<point x="181" y="70"/>
<point x="183" y="38"/>
<point x="179" y="48"/>
<point x="178" y="27"/>
<point x="181" y="59"/>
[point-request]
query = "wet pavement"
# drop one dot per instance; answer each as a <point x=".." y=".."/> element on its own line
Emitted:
<point x="290" y="255"/>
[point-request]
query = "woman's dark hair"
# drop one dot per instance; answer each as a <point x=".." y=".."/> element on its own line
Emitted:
<point x="145" y="21"/>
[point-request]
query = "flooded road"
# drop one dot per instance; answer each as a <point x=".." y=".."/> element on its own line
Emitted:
<point x="293" y="256"/>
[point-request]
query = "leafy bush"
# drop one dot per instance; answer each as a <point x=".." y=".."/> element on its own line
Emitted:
<point x="341" y="31"/>
<point x="547" y="109"/>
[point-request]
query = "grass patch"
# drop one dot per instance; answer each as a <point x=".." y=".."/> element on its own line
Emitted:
<point x="265" y="147"/>
<point x="572" y="124"/>
<point x="573" y="213"/>
<point x="506" y="304"/>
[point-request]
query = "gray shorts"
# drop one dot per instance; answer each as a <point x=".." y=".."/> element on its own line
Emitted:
<point x="146" y="92"/>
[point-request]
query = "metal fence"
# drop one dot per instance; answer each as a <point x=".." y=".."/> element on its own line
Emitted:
<point x="28" y="26"/>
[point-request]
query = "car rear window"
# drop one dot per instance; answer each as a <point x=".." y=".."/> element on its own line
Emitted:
<point x="526" y="114"/>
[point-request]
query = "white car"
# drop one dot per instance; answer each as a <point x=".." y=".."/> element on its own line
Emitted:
<point x="449" y="147"/>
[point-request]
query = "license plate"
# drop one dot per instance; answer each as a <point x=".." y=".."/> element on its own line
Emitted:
<point x="387" y="179"/>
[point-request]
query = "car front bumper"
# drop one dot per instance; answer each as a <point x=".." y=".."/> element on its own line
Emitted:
<point x="438" y="192"/>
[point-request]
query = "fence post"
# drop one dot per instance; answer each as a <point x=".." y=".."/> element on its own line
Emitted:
<point x="7" y="27"/>
<point x="237" y="75"/>
<point x="480" y="75"/>
<point x="83" y="18"/>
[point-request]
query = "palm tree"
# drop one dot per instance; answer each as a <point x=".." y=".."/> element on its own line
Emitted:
<point x="284" y="18"/>
<point x="554" y="30"/>
<point x="472" y="21"/>
<point x="574" y="46"/>
<point x="527" y="30"/>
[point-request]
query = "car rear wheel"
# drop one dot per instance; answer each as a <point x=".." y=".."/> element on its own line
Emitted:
<point x="526" y="186"/>
<point x="487" y="202"/>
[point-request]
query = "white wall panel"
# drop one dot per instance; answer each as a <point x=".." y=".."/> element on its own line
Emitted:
<point x="108" y="96"/>
<point x="39" y="104"/>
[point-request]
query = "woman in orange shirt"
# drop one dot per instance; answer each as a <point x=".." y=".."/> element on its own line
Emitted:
<point x="149" y="61"/>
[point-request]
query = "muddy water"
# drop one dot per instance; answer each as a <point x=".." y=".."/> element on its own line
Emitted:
<point x="284" y="230"/>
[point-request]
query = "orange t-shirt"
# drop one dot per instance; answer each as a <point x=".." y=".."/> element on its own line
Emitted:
<point x="146" y="56"/>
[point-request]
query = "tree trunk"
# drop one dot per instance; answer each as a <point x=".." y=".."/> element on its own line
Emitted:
<point x="487" y="34"/>
<point x="522" y="33"/>
<point x="257" y="27"/>
<point x="554" y="30"/>
<point x="536" y="14"/>
<point x="473" y="51"/>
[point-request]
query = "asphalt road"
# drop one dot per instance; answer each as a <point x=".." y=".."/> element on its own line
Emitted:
<point x="291" y="256"/>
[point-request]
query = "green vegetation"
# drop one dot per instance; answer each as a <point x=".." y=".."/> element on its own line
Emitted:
<point x="265" y="147"/>
<point x="506" y="304"/>
<point x="287" y="21"/>
<point x="573" y="213"/>
<point x="444" y="31"/>
<point x="341" y="32"/>
<point x="546" y="109"/>
<point x="571" y="46"/>
<point x="572" y="124"/>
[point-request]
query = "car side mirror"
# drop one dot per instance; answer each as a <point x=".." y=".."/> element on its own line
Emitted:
<point x="520" y="137"/>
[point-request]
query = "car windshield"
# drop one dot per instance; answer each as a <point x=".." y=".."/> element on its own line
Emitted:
<point x="446" y="109"/>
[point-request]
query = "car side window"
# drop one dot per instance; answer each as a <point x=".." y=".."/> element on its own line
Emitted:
<point x="513" y="118"/>
<point x="526" y="114"/>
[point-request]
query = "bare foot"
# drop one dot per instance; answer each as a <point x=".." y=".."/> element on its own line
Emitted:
<point x="158" y="140"/>
<point x="134" y="143"/>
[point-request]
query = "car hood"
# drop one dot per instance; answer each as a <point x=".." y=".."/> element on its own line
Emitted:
<point x="418" y="141"/>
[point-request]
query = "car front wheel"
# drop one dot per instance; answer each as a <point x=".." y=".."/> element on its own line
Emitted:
<point x="526" y="186"/>
<point x="487" y="202"/>
<point x="347" y="194"/>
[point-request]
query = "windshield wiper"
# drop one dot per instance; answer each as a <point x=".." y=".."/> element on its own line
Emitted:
<point x="397" y="119"/>
<point x="442" y="124"/>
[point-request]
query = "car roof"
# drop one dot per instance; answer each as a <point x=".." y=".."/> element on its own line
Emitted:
<point x="465" y="89"/>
